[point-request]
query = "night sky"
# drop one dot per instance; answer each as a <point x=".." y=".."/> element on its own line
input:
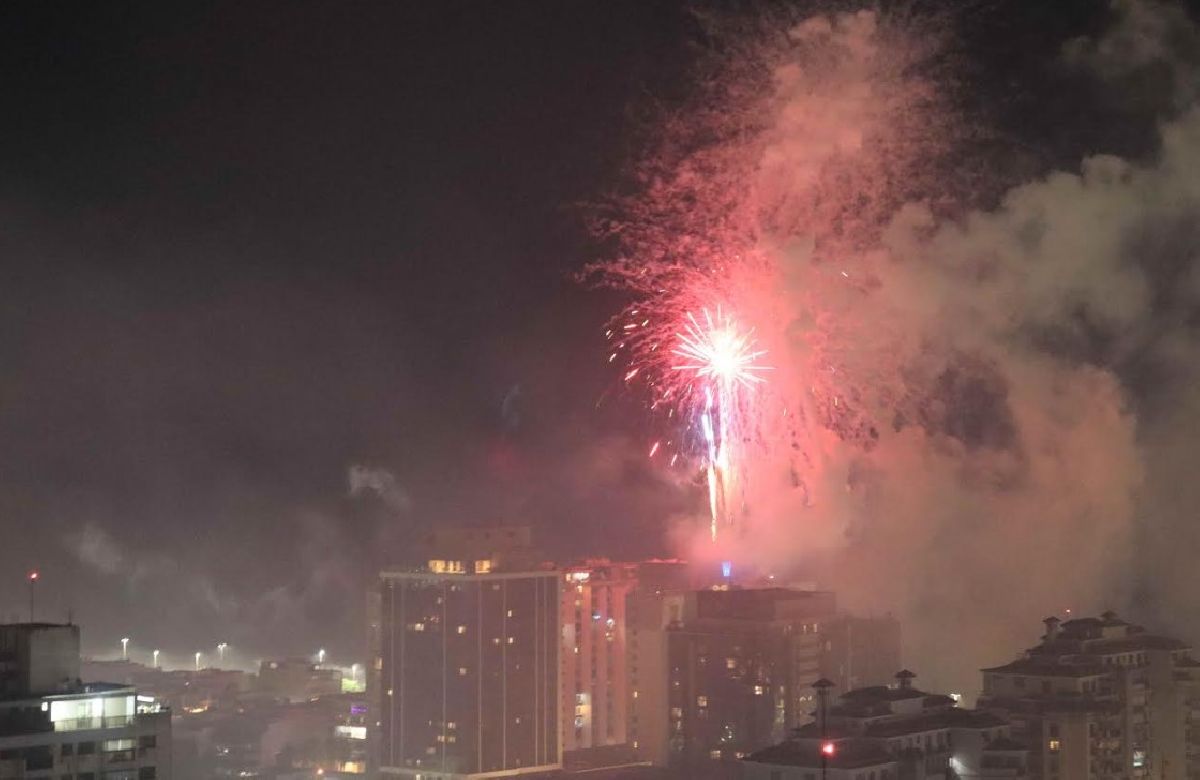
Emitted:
<point x="248" y="247"/>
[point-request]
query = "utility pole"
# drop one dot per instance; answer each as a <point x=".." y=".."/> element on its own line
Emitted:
<point x="33" y="578"/>
<point x="822" y="685"/>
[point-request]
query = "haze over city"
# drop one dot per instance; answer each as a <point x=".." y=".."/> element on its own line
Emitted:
<point x="889" y="304"/>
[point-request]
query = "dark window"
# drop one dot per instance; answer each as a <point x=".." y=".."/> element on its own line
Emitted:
<point x="67" y="749"/>
<point x="87" y="747"/>
<point x="86" y="776"/>
<point x="146" y="773"/>
<point x="147" y="741"/>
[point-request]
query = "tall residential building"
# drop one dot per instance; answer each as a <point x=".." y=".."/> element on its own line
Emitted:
<point x="1102" y="698"/>
<point x="892" y="733"/>
<point x="594" y="681"/>
<point x="469" y="666"/>
<point x="53" y="725"/>
<point x="741" y="665"/>
<point x="860" y="652"/>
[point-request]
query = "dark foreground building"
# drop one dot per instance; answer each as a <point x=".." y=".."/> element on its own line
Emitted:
<point x="893" y="733"/>
<point x="741" y="668"/>
<point x="469" y="671"/>
<point x="54" y="725"/>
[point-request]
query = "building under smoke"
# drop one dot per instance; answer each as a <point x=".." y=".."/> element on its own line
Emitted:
<point x="741" y="665"/>
<point x="469" y="661"/>
<point x="860" y="652"/>
<point x="1101" y="698"/>
<point x="887" y="733"/>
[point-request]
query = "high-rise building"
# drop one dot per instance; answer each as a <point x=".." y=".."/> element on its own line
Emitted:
<point x="741" y="665"/>
<point x="54" y="725"/>
<point x="860" y="652"/>
<point x="649" y="615"/>
<point x="594" y="681"/>
<point x="469" y="665"/>
<point x="889" y="733"/>
<point x="1102" y="698"/>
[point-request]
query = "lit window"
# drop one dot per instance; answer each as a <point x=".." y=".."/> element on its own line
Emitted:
<point x="462" y="629"/>
<point x="509" y="613"/>
<point x="730" y="663"/>
<point x="1054" y="745"/>
<point x="495" y="640"/>
<point x="715" y="755"/>
<point x="701" y="701"/>
<point x="483" y="567"/>
<point x="451" y="725"/>
<point x="418" y="627"/>
<point x="510" y="640"/>
<point x="462" y="671"/>
<point x="635" y="694"/>
<point x="758" y="690"/>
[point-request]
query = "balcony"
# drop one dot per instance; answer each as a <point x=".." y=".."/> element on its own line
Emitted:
<point x="95" y="722"/>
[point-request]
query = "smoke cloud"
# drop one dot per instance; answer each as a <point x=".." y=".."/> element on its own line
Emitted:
<point x="981" y="403"/>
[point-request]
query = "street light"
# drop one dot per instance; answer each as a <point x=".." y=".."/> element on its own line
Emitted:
<point x="221" y="651"/>
<point x="125" y="649"/>
<point x="197" y="660"/>
<point x="321" y="656"/>
<point x="155" y="659"/>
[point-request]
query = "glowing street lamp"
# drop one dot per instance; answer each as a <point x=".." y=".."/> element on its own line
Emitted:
<point x="125" y="649"/>
<point x="321" y="656"/>
<point x="197" y="660"/>
<point x="221" y="651"/>
<point x="155" y="659"/>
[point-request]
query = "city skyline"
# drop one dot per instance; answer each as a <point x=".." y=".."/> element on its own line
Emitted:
<point x="894" y="301"/>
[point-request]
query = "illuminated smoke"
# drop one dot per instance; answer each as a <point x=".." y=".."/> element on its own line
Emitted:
<point x="949" y="428"/>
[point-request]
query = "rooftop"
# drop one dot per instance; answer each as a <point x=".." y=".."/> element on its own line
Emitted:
<point x="847" y="754"/>
<point x="1032" y="667"/>
<point x="934" y="721"/>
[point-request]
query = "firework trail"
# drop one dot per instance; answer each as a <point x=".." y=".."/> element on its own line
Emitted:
<point x="724" y="360"/>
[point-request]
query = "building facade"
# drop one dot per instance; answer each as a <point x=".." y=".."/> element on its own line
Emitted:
<point x="741" y="665"/>
<point x="594" y="682"/>
<point x="469" y="671"/>
<point x="860" y="652"/>
<point x="52" y="725"/>
<point x="1101" y="698"/>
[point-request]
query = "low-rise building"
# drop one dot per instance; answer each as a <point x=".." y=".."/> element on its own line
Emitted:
<point x="893" y="733"/>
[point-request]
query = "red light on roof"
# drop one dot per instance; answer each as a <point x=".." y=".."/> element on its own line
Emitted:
<point x="33" y="575"/>
<point x="827" y="748"/>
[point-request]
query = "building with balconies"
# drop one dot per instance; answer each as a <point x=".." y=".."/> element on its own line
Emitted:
<point x="52" y="725"/>
<point x="1101" y="699"/>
